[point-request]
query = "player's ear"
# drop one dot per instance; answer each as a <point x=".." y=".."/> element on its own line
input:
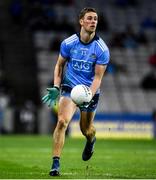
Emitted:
<point x="81" y="21"/>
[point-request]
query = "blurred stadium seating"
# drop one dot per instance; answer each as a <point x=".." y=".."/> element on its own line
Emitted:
<point x="52" y="21"/>
<point x="121" y="91"/>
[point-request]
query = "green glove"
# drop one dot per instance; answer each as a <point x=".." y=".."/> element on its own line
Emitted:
<point x="51" y="96"/>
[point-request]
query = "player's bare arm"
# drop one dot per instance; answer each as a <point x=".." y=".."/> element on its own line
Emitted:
<point x="53" y="92"/>
<point x="59" y="70"/>
<point x="99" y="72"/>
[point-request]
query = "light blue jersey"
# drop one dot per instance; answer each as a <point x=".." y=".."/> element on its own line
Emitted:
<point x="82" y="58"/>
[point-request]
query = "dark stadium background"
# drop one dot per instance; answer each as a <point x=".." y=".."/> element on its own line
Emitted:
<point x="30" y="34"/>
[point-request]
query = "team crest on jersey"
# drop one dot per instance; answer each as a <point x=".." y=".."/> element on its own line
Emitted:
<point x="81" y="65"/>
<point x="93" y="56"/>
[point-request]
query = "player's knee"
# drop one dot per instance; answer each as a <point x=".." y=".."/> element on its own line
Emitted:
<point x="62" y="124"/>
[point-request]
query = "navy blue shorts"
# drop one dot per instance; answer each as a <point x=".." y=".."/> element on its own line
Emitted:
<point x="66" y="90"/>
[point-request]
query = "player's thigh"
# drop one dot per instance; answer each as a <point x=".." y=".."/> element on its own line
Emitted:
<point x="66" y="109"/>
<point x="86" y="119"/>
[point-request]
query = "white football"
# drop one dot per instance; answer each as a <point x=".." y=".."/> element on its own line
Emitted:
<point x="80" y="94"/>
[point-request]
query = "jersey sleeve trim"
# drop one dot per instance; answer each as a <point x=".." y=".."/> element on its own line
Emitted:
<point x="71" y="39"/>
<point x="102" y="45"/>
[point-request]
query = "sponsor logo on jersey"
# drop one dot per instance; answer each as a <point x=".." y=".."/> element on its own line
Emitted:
<point x="81" y="65"/>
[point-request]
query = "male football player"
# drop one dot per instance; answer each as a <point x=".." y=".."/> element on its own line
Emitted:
<point x="86" y="57"/>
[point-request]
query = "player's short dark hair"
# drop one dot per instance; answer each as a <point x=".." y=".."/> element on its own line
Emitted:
<point x="86" y="10"/>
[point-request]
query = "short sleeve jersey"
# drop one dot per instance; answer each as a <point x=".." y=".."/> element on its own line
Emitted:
<point x="82" y="58"/>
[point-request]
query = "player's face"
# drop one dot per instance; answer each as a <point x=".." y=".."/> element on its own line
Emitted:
<point x="89" y="22"/>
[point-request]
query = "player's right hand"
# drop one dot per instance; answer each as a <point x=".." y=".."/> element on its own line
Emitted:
<point x="86" y="104"/>
<point x="51" y="96"/>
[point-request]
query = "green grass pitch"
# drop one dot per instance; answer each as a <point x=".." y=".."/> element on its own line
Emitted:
<point x="29" y="157"/>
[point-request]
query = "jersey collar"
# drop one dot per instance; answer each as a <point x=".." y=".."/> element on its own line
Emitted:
<point x="94" y="38"/>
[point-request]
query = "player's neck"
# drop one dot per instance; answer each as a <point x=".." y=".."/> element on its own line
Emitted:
<point x="86" y="37"/>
